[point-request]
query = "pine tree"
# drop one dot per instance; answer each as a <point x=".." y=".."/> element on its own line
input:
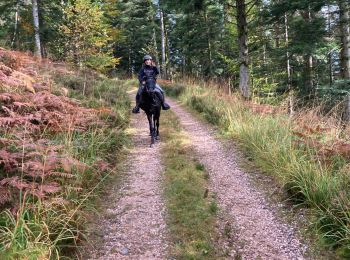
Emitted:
<point x="138" y="28"/>
<point x="306" y="40"/>
<point x="195" y="31"/>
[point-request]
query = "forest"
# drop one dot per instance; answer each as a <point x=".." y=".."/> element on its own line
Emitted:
<point x="272" y="76"/>
<point x="265" y="48"/>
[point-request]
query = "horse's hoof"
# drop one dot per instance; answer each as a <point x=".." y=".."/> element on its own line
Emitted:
<point x="157" y="138"/>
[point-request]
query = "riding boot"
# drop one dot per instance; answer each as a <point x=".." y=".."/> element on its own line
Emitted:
<point x="136" y="109"/>
<point x="165" y="105"/>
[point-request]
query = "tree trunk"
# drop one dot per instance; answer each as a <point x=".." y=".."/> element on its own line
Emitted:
<point x="309" y="82"/>
<point x="129" y="62"/>
<point x="345" y="38"/>
<point x="208" y="43"/>
<point x="162" y="27"/>
<point x="330" y="61"/>
<point x="155" y="45"/>
<point x="16" y="26"/>
<point x="242" y="27"/>
<point x="289" y="74"/>
<point x="347" y="109"/>
<point x="308" y="61"/>
<point x="277" y="34"/>
<point x="36" y="28"/>
<point x="168" y="64"/>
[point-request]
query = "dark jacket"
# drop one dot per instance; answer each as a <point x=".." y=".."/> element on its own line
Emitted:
<point x="147" y="73"/>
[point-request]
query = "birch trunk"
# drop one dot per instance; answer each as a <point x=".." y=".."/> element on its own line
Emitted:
<point x="155" y="46"/>
<point x="242" y="27"/>
<point x="16" y="26"/>
<point x="36" y="28"/>
<point x="329" y="23"/>
<point x="168" y="65"/>
<point x="289" y="74"/>
<point x="162" y="28"/>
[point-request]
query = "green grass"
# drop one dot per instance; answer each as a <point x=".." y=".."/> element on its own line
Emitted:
<point x="192" y="213"/>
<point x="268" y="140"/>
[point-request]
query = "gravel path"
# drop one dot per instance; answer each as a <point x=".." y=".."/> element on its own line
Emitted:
<point x="249" y="227"/>
<point x="133" y="226"/>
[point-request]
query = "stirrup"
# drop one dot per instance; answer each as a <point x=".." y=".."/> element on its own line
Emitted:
<point x="165" y="106"/>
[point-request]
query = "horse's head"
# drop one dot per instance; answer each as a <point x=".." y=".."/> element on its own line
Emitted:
<point x="150" y="85"/>
<point x="151" y="101"/>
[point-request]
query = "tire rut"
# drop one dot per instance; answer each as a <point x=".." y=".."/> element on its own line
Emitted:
<point x="133" y="225"/>
<point x="248" y="227"/>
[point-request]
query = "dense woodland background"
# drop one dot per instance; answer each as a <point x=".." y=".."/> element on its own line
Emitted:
<point x="267" y="48"/>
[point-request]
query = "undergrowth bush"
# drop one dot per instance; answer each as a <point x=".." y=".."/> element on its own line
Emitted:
<point x="54" y="153"/>
<point x="307" y="154"/>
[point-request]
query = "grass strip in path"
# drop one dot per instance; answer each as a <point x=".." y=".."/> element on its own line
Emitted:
<point x="191" y="212"/>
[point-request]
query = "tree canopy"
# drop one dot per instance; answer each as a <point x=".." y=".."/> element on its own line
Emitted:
<point x="270" y="47"/>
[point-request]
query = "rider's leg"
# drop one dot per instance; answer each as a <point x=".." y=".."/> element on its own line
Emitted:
<point x="161" y="90"/>
<point x="136" y="109"/>
<point x="161" y="96"/>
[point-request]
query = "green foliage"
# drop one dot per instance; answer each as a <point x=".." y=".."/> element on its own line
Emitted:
<point x="138" y="31"/>
<point x="22" y="37"/>
<point x="103" y="34"/>
<point x="77" y="31"/>
<point x="197" y="50"/>
<point x="335" y="94"/>
<point x="86" y="34"/>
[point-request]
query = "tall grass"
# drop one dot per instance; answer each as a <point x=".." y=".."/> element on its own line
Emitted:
<point x="315" y="181"/>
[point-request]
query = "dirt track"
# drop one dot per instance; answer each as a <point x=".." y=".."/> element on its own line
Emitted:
<point x="255" y="231"/>
<point x="133" y="225"/>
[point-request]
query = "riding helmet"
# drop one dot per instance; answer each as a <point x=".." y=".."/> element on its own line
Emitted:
<point x="147" y="57"/>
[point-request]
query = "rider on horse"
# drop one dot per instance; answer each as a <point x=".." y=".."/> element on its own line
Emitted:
<point x="147" y="73"/>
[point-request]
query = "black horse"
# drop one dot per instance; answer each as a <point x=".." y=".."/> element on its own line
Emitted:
<point x="151" y="104"/>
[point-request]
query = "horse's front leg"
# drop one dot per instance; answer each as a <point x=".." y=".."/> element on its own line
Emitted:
<point x="154" y="127"/>
<point x="151" y="128"/>
<point x="150" y="123"/>
<point x="157" y="128"/>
